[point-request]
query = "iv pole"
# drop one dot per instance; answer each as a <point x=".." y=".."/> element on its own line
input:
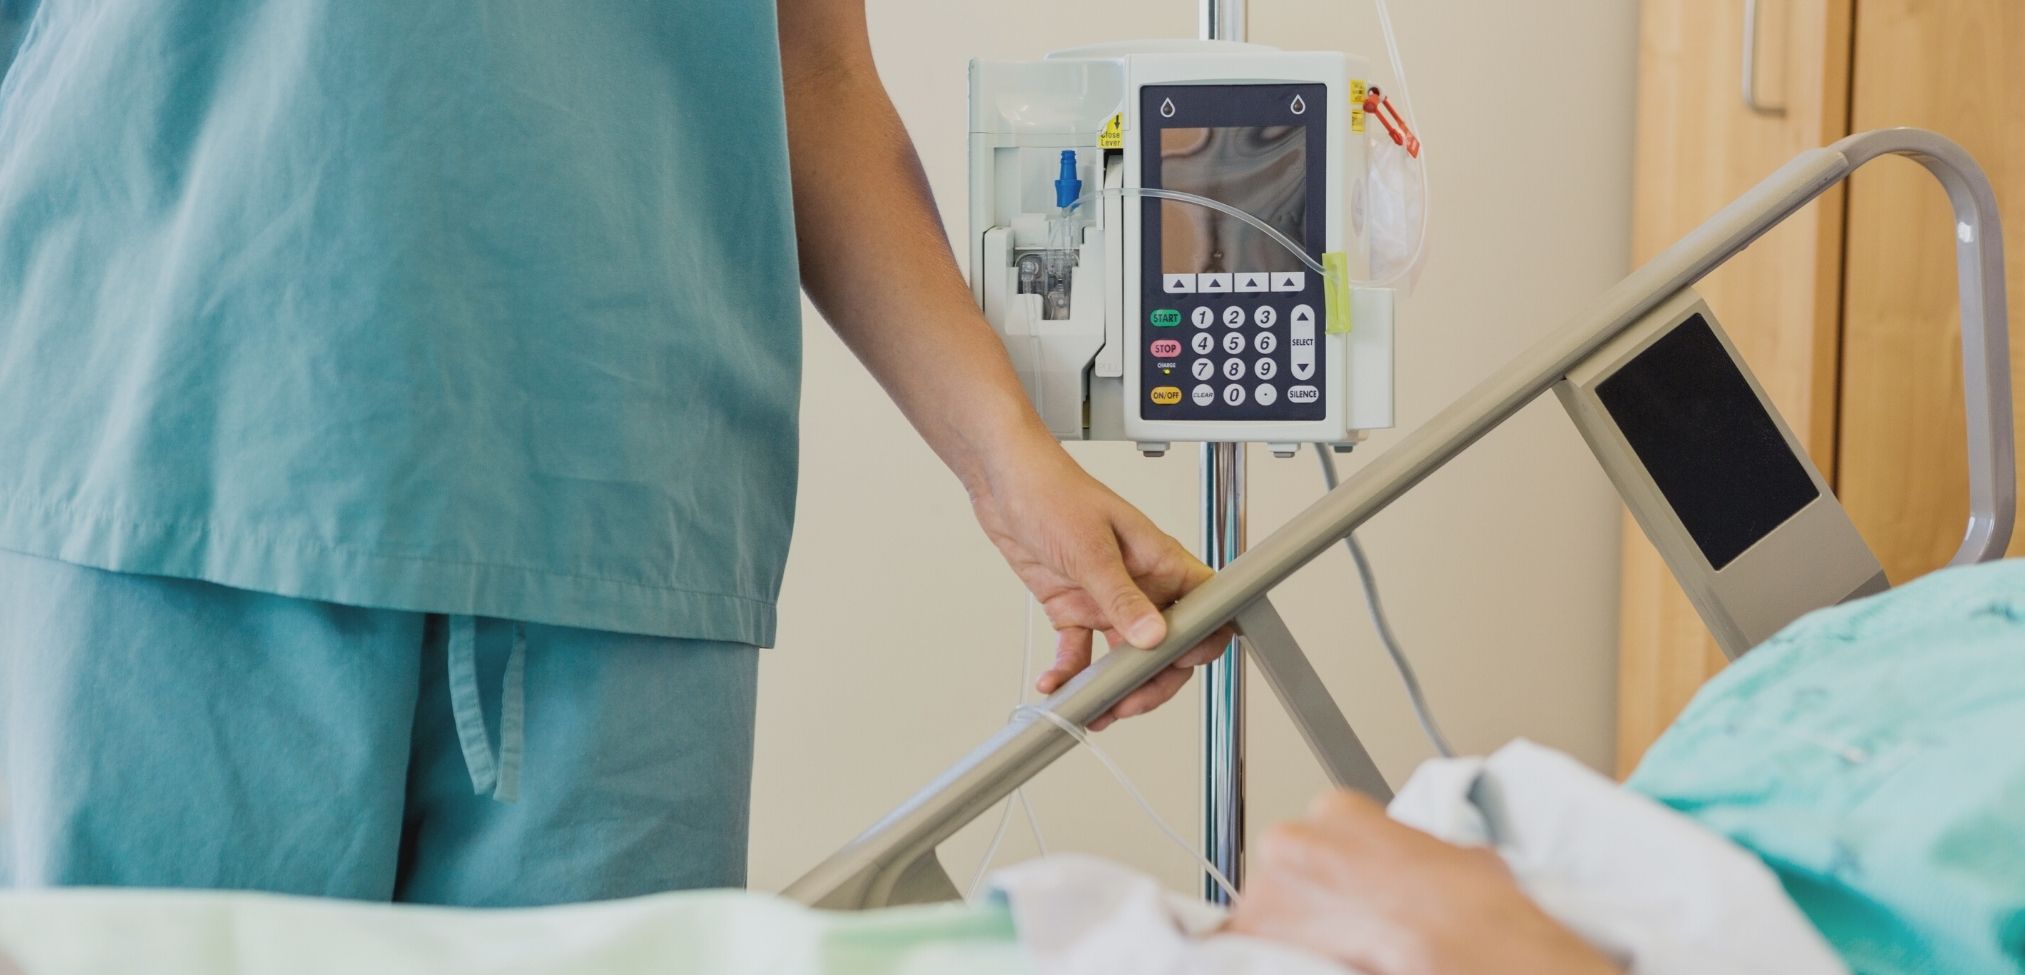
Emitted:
<point x="1223" y="539"/>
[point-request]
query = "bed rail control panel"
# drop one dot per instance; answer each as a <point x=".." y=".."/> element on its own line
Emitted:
<point x="1156" y="319"/>
<point x="1715" y="478"/>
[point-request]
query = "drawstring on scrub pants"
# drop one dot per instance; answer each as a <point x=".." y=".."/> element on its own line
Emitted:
<point x="497" y="774"/>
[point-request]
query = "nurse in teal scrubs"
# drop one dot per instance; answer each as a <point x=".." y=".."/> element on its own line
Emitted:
<point x="397" y="431"/>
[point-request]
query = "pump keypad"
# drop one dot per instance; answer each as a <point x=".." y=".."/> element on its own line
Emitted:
<point x="1249" y="348"/>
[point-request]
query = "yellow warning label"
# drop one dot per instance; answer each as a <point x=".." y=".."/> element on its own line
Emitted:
<point x="1357" y="105"/>
<point x="1336" y="292"/>
<point x="1114" y="133"/>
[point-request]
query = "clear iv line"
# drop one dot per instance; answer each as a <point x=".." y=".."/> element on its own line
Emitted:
<point x="1071" y="729"/>
<point x="1203" y="201"/>
<point x="1406" y="106"/>
<point x="1020" y="794"/>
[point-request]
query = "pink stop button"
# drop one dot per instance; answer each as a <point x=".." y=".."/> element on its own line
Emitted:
<point x="1166" y="348"/>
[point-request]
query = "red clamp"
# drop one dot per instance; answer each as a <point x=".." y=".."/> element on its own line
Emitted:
<point x="1380" y="107"/>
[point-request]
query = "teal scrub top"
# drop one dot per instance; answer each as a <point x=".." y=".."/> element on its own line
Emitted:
<point x="485" y="308"/>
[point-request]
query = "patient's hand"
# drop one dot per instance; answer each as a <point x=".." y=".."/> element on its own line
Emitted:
<point x="1385" y="898"/>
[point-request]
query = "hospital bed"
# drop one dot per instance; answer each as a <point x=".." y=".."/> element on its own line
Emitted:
<point x="1746" y="523"/>
<point x="1636" y="342"/>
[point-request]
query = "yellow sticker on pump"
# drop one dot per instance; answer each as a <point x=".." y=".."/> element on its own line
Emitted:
<point x="1336" y="292"/>
<point x="1114" y="133"/>
<point x="1357" y="105"/>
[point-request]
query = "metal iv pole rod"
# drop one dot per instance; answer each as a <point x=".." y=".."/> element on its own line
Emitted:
<point x="1223" y="539"/>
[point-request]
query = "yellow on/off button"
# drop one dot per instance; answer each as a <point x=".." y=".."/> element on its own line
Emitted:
<point x="1166" y="395"/>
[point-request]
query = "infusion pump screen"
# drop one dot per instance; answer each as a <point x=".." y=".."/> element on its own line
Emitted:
<point x="1232" y="324"/>
<point x="1262" y="170"/>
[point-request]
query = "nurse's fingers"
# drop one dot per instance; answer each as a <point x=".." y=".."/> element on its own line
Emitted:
<point x="1125" y="606"/>
<point x="1072" y="654"/>
<point x="1167" y="683"/>
<point x="1150" y="695"/>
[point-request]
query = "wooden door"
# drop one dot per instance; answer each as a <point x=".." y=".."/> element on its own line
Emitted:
<point x="1698" y="147"/>
<point x="1957" y="68"/>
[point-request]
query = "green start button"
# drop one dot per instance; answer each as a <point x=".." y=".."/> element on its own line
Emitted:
<point x="1165" y="318"/>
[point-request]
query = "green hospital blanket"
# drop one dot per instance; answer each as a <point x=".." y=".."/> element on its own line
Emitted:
<point x="76" y="932"/>
<point x="1874" y="755"/>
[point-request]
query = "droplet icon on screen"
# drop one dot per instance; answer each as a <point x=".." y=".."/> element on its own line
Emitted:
<point x="1167" y="108"/>
<point x="1299" y="106"/>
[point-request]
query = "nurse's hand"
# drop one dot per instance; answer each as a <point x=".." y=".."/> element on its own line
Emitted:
<point x="1382" y="897"/>
<point x="1095" y="563"/>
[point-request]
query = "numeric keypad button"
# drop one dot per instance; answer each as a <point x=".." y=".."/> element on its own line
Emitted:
<point x="1233" y="343"/>
<point x="1264" y="343"/>
<point x="1234" y="395"/>
<point x="1234" y="369"/>
<point x="1266" y="394"/>
<point x="1265" y="369"/>
<point x="1202" y="343"/>
<point x="1202" y="317"/>
<point x="1202" y="368"/>
<point x="1264" y="316"/>
<point x="1233" y="316"/>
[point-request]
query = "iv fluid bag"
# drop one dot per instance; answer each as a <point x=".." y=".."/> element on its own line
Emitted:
<point x="1389" y="210"/>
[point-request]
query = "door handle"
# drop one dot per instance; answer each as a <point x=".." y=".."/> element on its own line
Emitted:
<point x="1750" y="72"/>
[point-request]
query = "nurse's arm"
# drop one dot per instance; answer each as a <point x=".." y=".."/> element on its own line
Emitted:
<point x="877" y="264"/>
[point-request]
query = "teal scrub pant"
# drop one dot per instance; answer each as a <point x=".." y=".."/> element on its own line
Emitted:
<point x="171" y="733"/>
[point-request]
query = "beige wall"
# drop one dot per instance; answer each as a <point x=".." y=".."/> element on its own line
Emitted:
<point x="901" y="628"/>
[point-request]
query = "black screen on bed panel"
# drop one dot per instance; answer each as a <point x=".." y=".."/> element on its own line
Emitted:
<point x="1708" y="443"/>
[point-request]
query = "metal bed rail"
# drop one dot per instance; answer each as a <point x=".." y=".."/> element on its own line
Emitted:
<point x="894" y="861"/>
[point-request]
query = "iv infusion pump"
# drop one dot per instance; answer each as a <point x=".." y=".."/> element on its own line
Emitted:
<point x="1153" y="320"/>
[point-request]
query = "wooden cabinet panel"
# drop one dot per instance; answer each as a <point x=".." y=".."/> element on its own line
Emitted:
<point x="1955" y="68"/>
<point x="1698" y="147"/>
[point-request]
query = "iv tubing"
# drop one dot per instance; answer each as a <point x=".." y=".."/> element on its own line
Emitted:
<point x="1019" y="795"/>
<point x="1202" y="201"/>
<point x="1369" y="580"/>
<point x="1076" y="731"/>
<point x="1406" y="107"/>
